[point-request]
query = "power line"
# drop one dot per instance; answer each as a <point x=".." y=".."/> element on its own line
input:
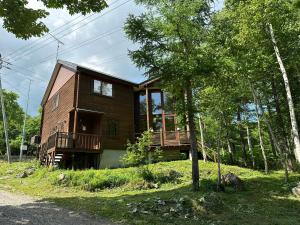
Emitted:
<point x="12" y="53"/>
<point x="27" y="76"/>
<point x="63" y="35"/>
<point x="12" y="88"/>
<point x="77" y="46"/>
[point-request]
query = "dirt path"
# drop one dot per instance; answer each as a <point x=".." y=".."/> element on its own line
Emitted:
<point x="20" y="209"/>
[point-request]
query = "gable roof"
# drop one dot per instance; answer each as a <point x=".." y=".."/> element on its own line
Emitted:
<point x="78" y="68"/>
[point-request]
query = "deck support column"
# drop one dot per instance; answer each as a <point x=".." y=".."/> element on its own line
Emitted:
<point x="147" y="108"/>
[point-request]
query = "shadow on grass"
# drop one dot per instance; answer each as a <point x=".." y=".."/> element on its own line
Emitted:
<point x="265" y="200"/>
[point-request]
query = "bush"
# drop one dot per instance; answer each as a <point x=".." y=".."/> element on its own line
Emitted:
<point x="92" y="180"/>
<point x="146" y="174"/>
<point x="138" y="153"/>
<point x="169" y="176"/>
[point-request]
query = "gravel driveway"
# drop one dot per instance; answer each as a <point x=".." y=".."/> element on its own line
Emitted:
<point x="20" y="209"/>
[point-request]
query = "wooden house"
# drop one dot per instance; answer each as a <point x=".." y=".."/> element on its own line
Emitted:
<point x="88" y="116"/>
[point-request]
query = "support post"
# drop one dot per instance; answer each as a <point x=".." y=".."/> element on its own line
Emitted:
<point x="147" y="108"/>
<point x="162" y="141"/>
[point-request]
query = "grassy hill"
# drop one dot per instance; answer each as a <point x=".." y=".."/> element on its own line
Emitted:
<point x="161" y="193"/>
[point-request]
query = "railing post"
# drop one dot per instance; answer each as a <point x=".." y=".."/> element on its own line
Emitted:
<point x="162" y="137"/>
<point x="56" y="140"/>
<point x="178" y="135"/>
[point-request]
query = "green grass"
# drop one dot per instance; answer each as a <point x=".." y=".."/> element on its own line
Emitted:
<point x="123" y="195"/>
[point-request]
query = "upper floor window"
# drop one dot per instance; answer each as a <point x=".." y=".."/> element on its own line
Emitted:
<point x="55" y="101"/>
<point x="143" y="103"/>
<point x="102" y="88"/>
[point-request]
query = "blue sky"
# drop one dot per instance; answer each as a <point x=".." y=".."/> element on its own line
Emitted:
<point x="97" y="41"/>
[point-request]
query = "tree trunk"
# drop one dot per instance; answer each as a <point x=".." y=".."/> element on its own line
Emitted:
<point x="281" y="125"/>
<point x="261" y="143"/>
<point x="250" y="146"/>
<point x="294" y="124"/>
<point x="274" y="139"/>
<point x="193" y="137"/>
<point x="230" y="151"/>
<point x="242" y="139"/>
<point x="219" y="161"/>
<point x="202" y="140"/>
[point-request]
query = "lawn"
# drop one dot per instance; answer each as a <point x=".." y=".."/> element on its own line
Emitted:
<point x="161" y="196"/>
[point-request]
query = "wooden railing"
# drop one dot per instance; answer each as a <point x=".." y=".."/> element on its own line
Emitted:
<point x="87" y="141"/>
<point x="170" y="138"/>
<point x="70" y="141"/>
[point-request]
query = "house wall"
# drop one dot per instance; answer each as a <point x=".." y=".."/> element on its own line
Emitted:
<point x="58" y="119"/>
<point x="111" y="158"/>
<point x="119" y="107"/>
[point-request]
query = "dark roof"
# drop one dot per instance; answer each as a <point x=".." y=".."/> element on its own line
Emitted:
<point x="78" y="68"/>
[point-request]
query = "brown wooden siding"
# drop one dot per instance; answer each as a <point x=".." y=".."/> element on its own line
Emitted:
<point x="120" y="107"/>
<point x="60" y="116"/>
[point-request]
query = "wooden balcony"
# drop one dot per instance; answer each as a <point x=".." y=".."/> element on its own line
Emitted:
<point x="69" y="142"/>
<point x="170" y="139"/>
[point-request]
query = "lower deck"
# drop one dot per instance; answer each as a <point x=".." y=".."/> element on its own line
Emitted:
<point x="77" y="150"/>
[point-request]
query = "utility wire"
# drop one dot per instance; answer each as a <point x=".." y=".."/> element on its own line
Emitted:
<point x="27" y="76"/>
<point x="77" y="46"/>
<point x="53" y="32"/>
<point x="14" y="52"/>
<point x="68" y="33"/>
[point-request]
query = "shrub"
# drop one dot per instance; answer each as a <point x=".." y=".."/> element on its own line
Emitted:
<point x="138" y="153"/>
<point x="146" y="174"/>
<point x="92" y="180"/>
<point x="169" y="176"/>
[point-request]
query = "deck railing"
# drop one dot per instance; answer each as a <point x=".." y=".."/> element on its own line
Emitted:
<point x="80" y="141"/>
<point x="170" y="138"/>
<point x="87" y="141"/>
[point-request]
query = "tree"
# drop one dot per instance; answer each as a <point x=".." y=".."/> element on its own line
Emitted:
<point x="25" y="22"/>
<point x="15" y="115"/>
<point x="173" y="47"/>
<point x="244" y="28"/>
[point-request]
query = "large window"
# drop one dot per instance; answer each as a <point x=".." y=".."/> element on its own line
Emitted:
<point x="143" y="104"/>
<point x="102" y="88"/>
<point x="156" y="103"/>
<point x="156" y="111"/>
<point x="168" y="103"/>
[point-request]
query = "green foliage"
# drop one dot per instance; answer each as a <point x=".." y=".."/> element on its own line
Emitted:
<point x="92" y="180"/>
<point x="139" y="152"/>
<point x="15" y="118"/>
<point x="266" y="195"/>
<point x="167" y="176"/>
<point x="25" y="22"/>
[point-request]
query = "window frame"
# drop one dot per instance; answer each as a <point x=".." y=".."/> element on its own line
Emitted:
<point x="100" y="93"/>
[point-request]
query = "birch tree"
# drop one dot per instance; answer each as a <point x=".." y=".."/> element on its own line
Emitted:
<point x="295" y="131"/>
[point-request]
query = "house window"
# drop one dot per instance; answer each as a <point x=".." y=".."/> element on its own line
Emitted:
<point x="143" y="103"/>
<point x="102" y="88"/>
<point x="112" y="128"/>
<point x="55" y="101"/>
